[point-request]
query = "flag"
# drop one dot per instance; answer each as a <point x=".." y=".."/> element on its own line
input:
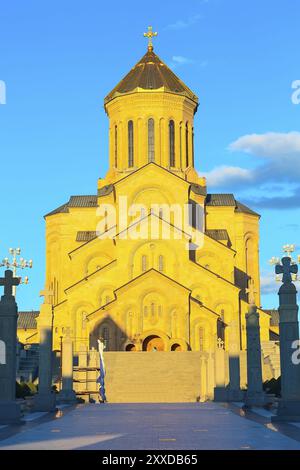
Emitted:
<point x="101" y="378"/>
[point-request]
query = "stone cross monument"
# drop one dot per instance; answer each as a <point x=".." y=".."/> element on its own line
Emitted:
<point x="227" y="365"/>
<point x="45" y="399"/>
<point x="289" y="405"/>
<point x="254" y="395"/>
<point x="220" y="372"/>
<point x="67" y="394"/>
<point x="9" y="409"/>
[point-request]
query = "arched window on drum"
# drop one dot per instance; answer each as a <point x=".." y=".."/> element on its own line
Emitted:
<point x="151" y="141"/>
<point x="187" y="145"/>
<point x="116" y="146"/>
<point x="172" y="143"/>
<point x="130" y="145"/>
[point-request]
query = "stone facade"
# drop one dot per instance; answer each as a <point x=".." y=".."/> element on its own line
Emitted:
<point x="148" y="292"/>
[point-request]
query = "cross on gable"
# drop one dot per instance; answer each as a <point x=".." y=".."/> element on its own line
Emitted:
<point x="220" y="343"/>
<point x="287" y="269"/>
<point x="8" y="282"/>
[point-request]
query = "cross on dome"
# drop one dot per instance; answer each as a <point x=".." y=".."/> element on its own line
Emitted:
<point x="150" y="35"/>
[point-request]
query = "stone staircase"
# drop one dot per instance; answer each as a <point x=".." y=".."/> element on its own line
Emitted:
<point x="28" y="364"/>
<point x="152" y="377"/>
<point x="271" y="354"/>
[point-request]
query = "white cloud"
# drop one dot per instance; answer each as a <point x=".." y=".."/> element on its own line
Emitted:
<point x="276" y="202"/>
<point x="179" y="59"/>
<point x="278" y="165"/>
<point x="268" y="284"/>
<point x="183" y="24"/>
<point x="270" y="145"/>
<point x="279" y="155"/>
<point x="226" y="175"/>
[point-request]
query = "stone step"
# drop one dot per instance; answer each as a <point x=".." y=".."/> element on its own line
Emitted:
<point x="152" y="399"/>
<point x="160" y="377"/>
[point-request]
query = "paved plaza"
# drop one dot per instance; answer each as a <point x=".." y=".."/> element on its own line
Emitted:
<point x="151" y="426"/>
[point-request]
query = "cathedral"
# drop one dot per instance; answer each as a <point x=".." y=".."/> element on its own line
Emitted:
<point x="151" y="260"/>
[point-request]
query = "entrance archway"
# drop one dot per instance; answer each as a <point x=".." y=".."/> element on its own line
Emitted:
<point x="130" y="347"/>
<point x="176" y="347"/>
<point x="153" y="343"/>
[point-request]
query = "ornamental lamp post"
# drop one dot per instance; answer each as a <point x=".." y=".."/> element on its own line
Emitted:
<point x="288" y="249"/>
<point x="16" y="264"/>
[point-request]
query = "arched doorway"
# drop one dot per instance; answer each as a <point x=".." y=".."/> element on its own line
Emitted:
<point x="176" y="347"/>
<point x="153" y="343"/>
<point x="130" y="347"/>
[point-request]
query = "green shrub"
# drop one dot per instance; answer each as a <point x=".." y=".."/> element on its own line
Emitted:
<point x="80" y="400"/>
<point x="19" y="390"/>
<point x="24" y="389"/>
<point x="32" y="387"/>
<point x="273" y="386"/>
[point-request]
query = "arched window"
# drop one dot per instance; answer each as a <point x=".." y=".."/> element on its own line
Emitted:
<point x="130" y="144"/>
<point x="172" y="142"/>
<point x="187" y="144"/>
<point x="83" y="320"/>
<point x="152" y="309"/>
<point x="151" y="140"/>
<point x="160" y="263"/>
<point x="116" y="146"/>
<point x="144" y="263"/>
<point x="251" y="253"/>
<point x="201" y="339"/>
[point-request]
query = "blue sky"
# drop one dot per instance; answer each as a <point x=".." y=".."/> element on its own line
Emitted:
<point x="59" y="59"/>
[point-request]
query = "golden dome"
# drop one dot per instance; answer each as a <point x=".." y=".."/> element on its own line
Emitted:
<point x="150" y="73"/>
